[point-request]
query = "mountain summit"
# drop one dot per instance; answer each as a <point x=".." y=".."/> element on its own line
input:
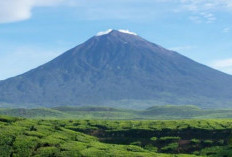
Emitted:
<point x="117" y="68"/>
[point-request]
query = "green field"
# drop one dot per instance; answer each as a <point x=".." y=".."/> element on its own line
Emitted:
<point x="152" y="113"/>
<point x="20" y="137"/>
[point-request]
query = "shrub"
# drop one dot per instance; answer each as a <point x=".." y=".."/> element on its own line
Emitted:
<point x="47" y="152"/>
<point x="172" y="147"/>
<point x="195" y="141"/>
<point x="151" y="148"/>
<point x="153" y="138"/>
<point x="169" y="138"/>
<point x="208" y="142"/>
<point x="24" y="146"/>
<point x="137" y="143"/>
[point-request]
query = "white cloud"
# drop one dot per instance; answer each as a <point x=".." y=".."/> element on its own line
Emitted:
<point x="224" y="65"/>
<point x="203" y="17"/>
<point x="206" y="5"/>
<point x="17" y="10"/>
<point x="209" y="17"/>
<point x="201" y="11"/>
<point x="204" y="10"/>
<point x="196" y="19"/>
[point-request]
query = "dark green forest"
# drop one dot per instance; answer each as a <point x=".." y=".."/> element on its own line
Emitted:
<point x="21" y="137"/>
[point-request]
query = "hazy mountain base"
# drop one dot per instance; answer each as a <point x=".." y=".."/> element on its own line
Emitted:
<point x="156" y="112"/>
<point x="137" y="104"/>
<point x="134" y="104"/>
<point x="167" y="100"/>
<point x="89" y="138"/>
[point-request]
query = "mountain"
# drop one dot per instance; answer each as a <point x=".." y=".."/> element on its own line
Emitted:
<point x="122" y="69"/>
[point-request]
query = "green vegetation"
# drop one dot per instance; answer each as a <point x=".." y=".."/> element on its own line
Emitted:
<point x="156" y="112"/>
<point x="20" y="137"/>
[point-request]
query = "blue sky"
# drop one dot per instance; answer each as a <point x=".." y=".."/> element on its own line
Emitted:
<point x="33" y="32"/>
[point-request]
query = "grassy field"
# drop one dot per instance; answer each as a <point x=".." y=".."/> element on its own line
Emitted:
<point x="20" y="137"/>
<point x="156" y="113"/>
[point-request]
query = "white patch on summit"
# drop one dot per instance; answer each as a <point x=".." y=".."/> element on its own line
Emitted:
<point x="120" y="30"/>
<point x="104" y="32"/>
<point x="126" y="31"/>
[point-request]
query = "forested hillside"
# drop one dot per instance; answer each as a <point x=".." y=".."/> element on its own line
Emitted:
<point x="88" y="112"/>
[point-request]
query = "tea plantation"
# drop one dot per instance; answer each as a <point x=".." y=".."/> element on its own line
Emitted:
<point x="20" y="137"/>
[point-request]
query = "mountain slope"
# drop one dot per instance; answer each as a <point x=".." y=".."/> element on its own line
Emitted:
<point x="115" y="67"/>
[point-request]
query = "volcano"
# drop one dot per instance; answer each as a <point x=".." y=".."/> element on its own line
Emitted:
<point x="119" y="68"/>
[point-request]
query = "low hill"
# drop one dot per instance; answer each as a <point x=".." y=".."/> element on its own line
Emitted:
<point x="34" y="113"/>
<point x="156" y="113"/>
